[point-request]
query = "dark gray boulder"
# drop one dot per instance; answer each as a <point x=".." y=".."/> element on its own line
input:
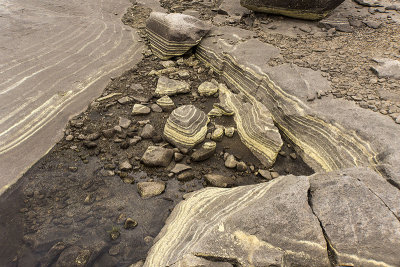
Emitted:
<point x="306" y="9"/>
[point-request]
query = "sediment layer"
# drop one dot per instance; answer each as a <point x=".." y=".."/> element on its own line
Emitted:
<point x="330" y="134"/>
<point x="254" y="125"/>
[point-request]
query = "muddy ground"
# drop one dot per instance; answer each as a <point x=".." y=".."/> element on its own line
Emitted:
<point x="71" y="203"/>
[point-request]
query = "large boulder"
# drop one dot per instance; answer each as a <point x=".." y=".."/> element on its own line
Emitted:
<point x="174" y="34"/>
<point x="308" y="9"/>
<point x="186" y="127"/>
<point x="342" y="218"/>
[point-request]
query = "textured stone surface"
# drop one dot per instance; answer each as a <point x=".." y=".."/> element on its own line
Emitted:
<point x="156" y="156"/>
<point x="208" y="88"/>
<point x="166" y="103"/>
<point x="254" y="125"/>
<point x="150" y="189"/>
<point x="206" y="151"/>
<point x="310" y="9"/>
<point x="258" y="225"/>
<point x="186" y="127"/>
<point x="219" y="180"/>
<point x="358" y="216"/>
<point x="387" y="68"/>
<point x="174" y="34"/>
<point x="329" y="134"/>
<point x="139" y="109"/>
<point x="166" y="86"/>
<point x="351" y="215"/>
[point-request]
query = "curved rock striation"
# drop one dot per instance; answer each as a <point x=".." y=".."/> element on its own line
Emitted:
<point x="254" y="125"/>
<point x="186" y="127"/>
<point x="54" y="60"/>
<point x="309" y="9"/>
<point x="330" y="134"/>
<point x="289" y="221"/>
<point x="174" y="34"/>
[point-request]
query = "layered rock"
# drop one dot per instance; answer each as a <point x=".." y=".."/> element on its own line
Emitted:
<point x="247" y="226"/>
<point x="343" y="218"/>
<point x="174" y="34"/>
<point x="329" y="134"/>
<point x="169" y="87"/>
<point x="166" y="103"/>
<point x="254" y="125"/>
<point x="309" y="9"/>
<point x="186" y="127"/>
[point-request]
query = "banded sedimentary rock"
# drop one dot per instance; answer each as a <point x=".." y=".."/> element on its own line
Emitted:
<point x="309" y="9"/>
<point x="174" y="34"/>
<point x="247" y="225"/>
<point x="186" y="127"/>
<point x="167" y="86"/>
<point x="254" y="125"/>
<point x="208" y="88"/>
<point x="288" y="221"/>
<point x="329" y="134"/>
<point x="166" y="103"/>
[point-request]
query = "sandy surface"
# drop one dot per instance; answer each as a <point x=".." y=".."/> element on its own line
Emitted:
<point x="55" y="57"/>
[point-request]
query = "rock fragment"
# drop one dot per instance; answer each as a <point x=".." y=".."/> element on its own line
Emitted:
<point x="139" y="109"/>
<point x="169" y="87"/>
<point x="174" y="34"/>
<point x="205" y="152"/>
<point x="219" y="180"/>
<point x="186" y="127"/>
<point x="309" y="9"/>
<point x="156" y="156"/>
<point x="148" y="132"/>
<point x="208" y="88"/>
<point x="387" y="68"/>
<point x="150" y="189"/>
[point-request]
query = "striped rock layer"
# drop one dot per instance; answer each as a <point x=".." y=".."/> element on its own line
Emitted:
<point x="186" y="127"/>
<point x="254" y="125"/>
<point x="286" y="222"/>
<point x="173" y="34"/>
<point x="306" y="9"/>
<point x="330" y="134"/>
<point x="54" y="60"/>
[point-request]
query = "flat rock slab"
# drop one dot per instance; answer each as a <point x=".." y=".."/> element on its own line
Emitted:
<point x="290" y="220"/>
<point x="150" y="189"/>
<point x="309" y="9"/>
<point x="54" y="60"/>
<point x="360" y="219"/>
<point x="174" y="34"/>
<point x="257" y="225"/>
<point x="329" y="134"/>
<point x="387" y="68"/>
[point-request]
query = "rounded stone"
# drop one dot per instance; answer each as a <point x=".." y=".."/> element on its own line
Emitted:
<point x="166" y="103"/>
<point x="186" y="127"/>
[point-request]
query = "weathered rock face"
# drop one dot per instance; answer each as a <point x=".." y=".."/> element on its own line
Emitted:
<point x="359" y="212"/>
<point x="329" y="134"/>
<point x="168" y="87"/>
<point x="254" y="125"/>
<point x="343" y="218"/>
<point x="166" y="103"/>
<point x="174" y="34"/>
<point x="310" y="9"/>
<point x="258" y="225"/>
<point x="186" y="127"/>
